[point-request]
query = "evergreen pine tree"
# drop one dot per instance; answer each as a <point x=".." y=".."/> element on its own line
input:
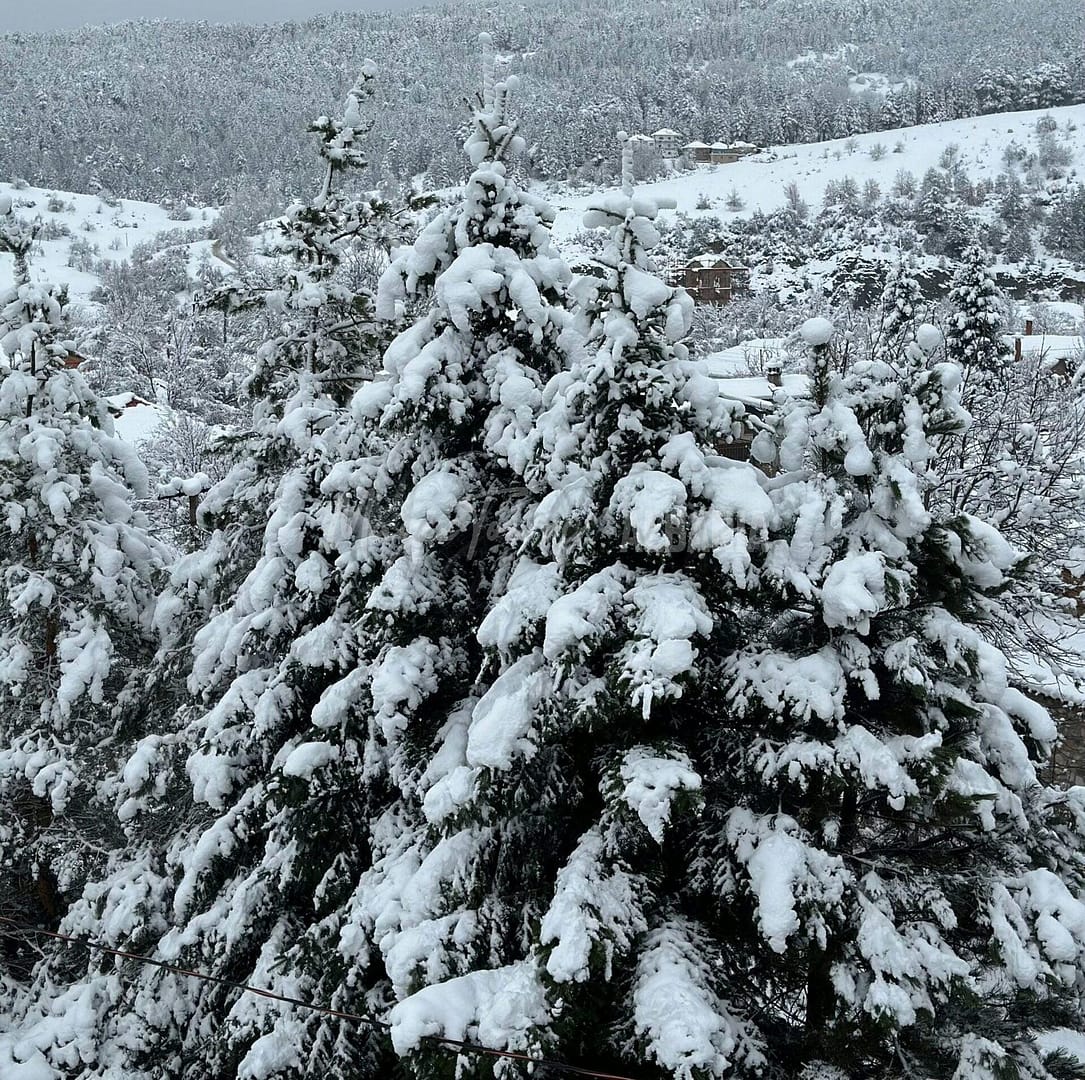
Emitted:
<point x="894" y="871"/>
<point x="349" y="629"/>
<point x="1015" y="214"/>
<point x="1065" y="231"/>
<point x="329" y="340"/>
<point x="533" y="895"/>
<point x="975" y="326"/>
<point x="78" y="574"/>
<point x="897" y="316"/>
<point x="241" y="661"/>
<point x="17" y="237"/>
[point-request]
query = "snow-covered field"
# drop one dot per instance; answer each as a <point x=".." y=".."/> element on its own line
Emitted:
<point x="760" y="181"/>
<point x="113" y="230"/>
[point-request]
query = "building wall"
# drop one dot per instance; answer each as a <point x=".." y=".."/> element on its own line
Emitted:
<point x="669" y="145"/>
<point x="711" y="284"/>
<point x="731" y="155"/>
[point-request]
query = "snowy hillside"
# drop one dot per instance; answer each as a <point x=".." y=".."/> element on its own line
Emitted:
<point x="759" y="182"/>
<point x="78" y="230"/>
<point x="82" y="233"/>
<point x="764" y="71"/>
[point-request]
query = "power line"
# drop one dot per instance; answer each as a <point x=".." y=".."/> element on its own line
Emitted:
<point x="458" y="1045"/>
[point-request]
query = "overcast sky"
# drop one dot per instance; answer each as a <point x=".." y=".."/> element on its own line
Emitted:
<point x="56" y="14"/>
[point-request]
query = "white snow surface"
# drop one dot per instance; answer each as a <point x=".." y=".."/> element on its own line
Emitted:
<point x="651" y="782"/>
<point x="308" y="757"/>
<point x="817" y="332"/>
<point x="137" y="421"/>
<point x="760" y="180"/>
<point x="1073" y="1042"/>
<point x="493" y="1007"/>
<point x="686" y="1026"/>
<point x="115" y="230"/>
<point x="32" y="1067"/>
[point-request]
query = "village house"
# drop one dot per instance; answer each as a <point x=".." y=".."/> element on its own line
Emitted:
<point x="118" y="403"/>
<point x="669" y="144"/>
<point x="753" y="373"/>
<point x="729" y="153"/>
<point x="698" y="152"/>
<point x="1060" y="353"/>
<point x="711" y="279"/>
<point x="668" y="141"/>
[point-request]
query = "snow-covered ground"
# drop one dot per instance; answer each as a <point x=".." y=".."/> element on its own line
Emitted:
<point x="134" y="419"/>
<point x="113" y="230"/>
<point x="760" y="181"/>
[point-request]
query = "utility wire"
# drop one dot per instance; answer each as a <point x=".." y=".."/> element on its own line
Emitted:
<point x="19" y="932"/>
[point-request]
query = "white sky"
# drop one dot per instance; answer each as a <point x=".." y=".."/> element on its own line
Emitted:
<point x="16" y="15"/>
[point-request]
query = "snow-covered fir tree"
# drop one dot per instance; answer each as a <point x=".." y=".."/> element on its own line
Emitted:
<point x="234" y="676"/>
<point x="355" y="624"/>
<point x="78" y="576"/>
<point x="464" y="389"/>
<point x="302" y="377"/>
<point x="976" y="324"/>
<point x="901" y="889"/>
<point x="506" y="703"/>
<point x="897" y="314"/>
<point x="530" y="896"/>
<point x="17" y="237"/>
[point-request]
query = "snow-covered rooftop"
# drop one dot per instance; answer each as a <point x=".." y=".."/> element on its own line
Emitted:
<point x="667" y="133"/>
<point x="710" y="259"/>
<point x="756" y="389"/>
<point x="744" y="358"/>
<point x="1049" y="346"/>
<point x="734" y="371"/>
<point x="134" y="420"/>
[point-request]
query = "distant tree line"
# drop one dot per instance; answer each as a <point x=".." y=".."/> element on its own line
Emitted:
<point x="192" y="112"/>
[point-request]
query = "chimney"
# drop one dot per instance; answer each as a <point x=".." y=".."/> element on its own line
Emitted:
<point x="1028" y="327"/>
<point x="774" y="373"/>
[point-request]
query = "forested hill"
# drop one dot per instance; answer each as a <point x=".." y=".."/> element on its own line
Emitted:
<point x="159" y="110"/>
